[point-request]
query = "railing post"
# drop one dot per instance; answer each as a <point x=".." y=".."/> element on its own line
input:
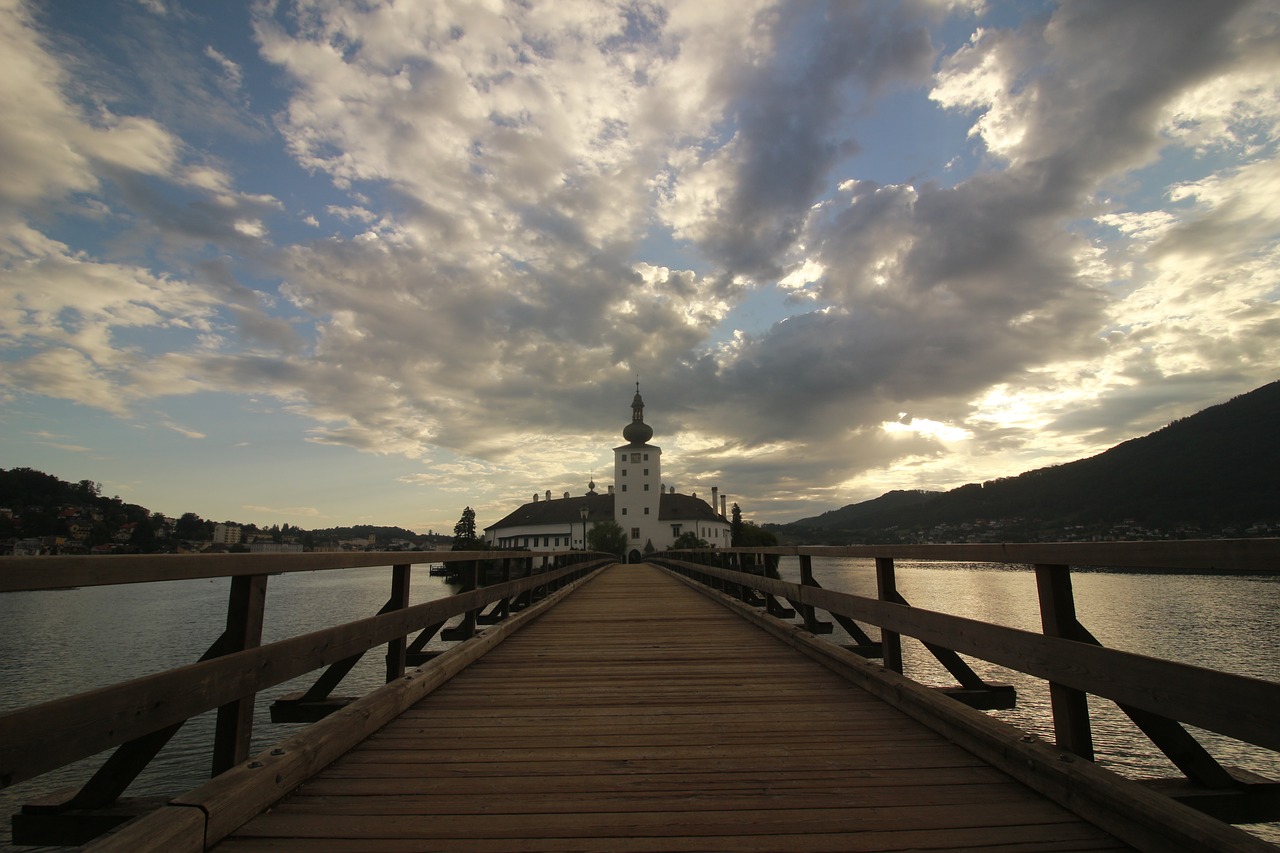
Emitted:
<point x="504" y="609"/>
<point x="234" y="728"/>
<point x="478" y="572"/>
<point x="466" y="629"/>
<point x="887" y="590"/>
<point x="806" y="579"/>
<point x="1070" y="707"/>
<point x="397" y="648"/>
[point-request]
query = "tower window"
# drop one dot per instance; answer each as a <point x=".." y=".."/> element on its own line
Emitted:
<point x="646" y="510"/>
<point x="646" y="487"/>
<point x="624" y="510"/>
<point x="635" y="533"/>
<point x="635" y="457"/>
<point x="646" y="472"/>
<point x="624" y="487"/>
<point x="624" y="472"/>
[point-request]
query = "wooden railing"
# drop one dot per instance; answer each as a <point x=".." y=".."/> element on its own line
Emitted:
<point x="138" y="717"/>
<point x="1158" y="695"/>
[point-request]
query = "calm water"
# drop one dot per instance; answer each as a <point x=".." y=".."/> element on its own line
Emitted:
<point x="56" y="643"/>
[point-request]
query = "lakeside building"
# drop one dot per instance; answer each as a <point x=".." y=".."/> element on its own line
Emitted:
<point x="652" y="515"/>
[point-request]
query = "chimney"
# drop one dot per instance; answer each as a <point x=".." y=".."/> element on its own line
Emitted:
<point x="548" y="494"/>
<point x="723" y="500"/>
<point x="566" y="496"/>
<point x="535" y="497"/>
<point x="611" y="490"/>
<point x="694" y="495"/>
<point x="715" y="500"/>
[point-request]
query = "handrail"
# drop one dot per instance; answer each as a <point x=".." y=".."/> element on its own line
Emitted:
<point x="21" y="574"/>
<point x="1208" y="555"/>
<point x="1234" y="705"/>
<point x="141" y="714"/>
<point x="1158" y="695"/>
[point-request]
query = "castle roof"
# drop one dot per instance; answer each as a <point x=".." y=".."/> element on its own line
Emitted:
<point x="685" y="508"/>
<point x="568" y="511"/>
<point x="562" y="511"/>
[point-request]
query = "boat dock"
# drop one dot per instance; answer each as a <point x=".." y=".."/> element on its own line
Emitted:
<point x="672" y="705"/>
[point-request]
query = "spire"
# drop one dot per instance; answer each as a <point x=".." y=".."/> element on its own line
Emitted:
<point x="637" y="432"/>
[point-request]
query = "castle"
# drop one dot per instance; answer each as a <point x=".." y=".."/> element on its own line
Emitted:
<point x="651" y="515"/>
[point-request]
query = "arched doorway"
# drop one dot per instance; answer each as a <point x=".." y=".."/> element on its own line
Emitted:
<point x="634" y="556"/>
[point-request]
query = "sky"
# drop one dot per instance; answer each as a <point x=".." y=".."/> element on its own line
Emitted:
<point x="327" y="263"/>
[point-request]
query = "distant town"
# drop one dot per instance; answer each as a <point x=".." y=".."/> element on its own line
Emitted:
<point x="225" y="537"/>
<point x="43" y="515"/>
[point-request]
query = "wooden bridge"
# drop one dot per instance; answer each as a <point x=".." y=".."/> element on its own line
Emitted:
<point x="684" y="704"/>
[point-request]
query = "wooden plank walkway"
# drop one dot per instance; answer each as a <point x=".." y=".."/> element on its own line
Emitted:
<point x="639" y="715"/>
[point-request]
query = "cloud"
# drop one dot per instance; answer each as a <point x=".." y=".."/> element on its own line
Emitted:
<point x="785" y="112"/>
<point x="935" y="294"/>
<point x="55" y="150"/>
<point x="181" y="430"/>
<point x="524" y="208"/>
<point x="232" y="76"/>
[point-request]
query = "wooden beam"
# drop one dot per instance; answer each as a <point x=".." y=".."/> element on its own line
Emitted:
<point x="887" y="591"/>
<point x="42" y="737"/>
<point x="399" y="600"/>
<point x="1186" y="753"/>
<point x="171" y="828"/>
<point x="1204" y="555"/>
<point x="234" y="728"/>
<point x="811" y="620"/>
<point x="1070" y="705"/>
<point x="249" y="789"/>
<point x="1238" y="706"/>
<point x="1123" y="807"/>
<point x="30" y="573"/>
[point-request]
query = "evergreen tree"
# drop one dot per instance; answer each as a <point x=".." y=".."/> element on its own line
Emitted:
<point x="735" y="526"/>
<point x="464" y="532"/>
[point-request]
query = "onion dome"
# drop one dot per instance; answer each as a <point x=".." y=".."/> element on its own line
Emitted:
<point x="637" y="432"/>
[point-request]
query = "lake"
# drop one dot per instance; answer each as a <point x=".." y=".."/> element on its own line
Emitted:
<point x="54" y="644"/>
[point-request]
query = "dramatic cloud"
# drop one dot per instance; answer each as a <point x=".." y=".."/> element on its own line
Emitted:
<point x="451" y="235"/>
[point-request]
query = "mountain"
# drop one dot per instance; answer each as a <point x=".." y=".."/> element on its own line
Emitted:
<point x="1211" y="470"/>
<point x="855" y="515"/>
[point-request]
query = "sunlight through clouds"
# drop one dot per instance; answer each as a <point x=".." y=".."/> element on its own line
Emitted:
<point x="442" y="240"/>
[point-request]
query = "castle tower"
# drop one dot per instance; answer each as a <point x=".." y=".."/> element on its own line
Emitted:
<point x="637" y="474"/>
